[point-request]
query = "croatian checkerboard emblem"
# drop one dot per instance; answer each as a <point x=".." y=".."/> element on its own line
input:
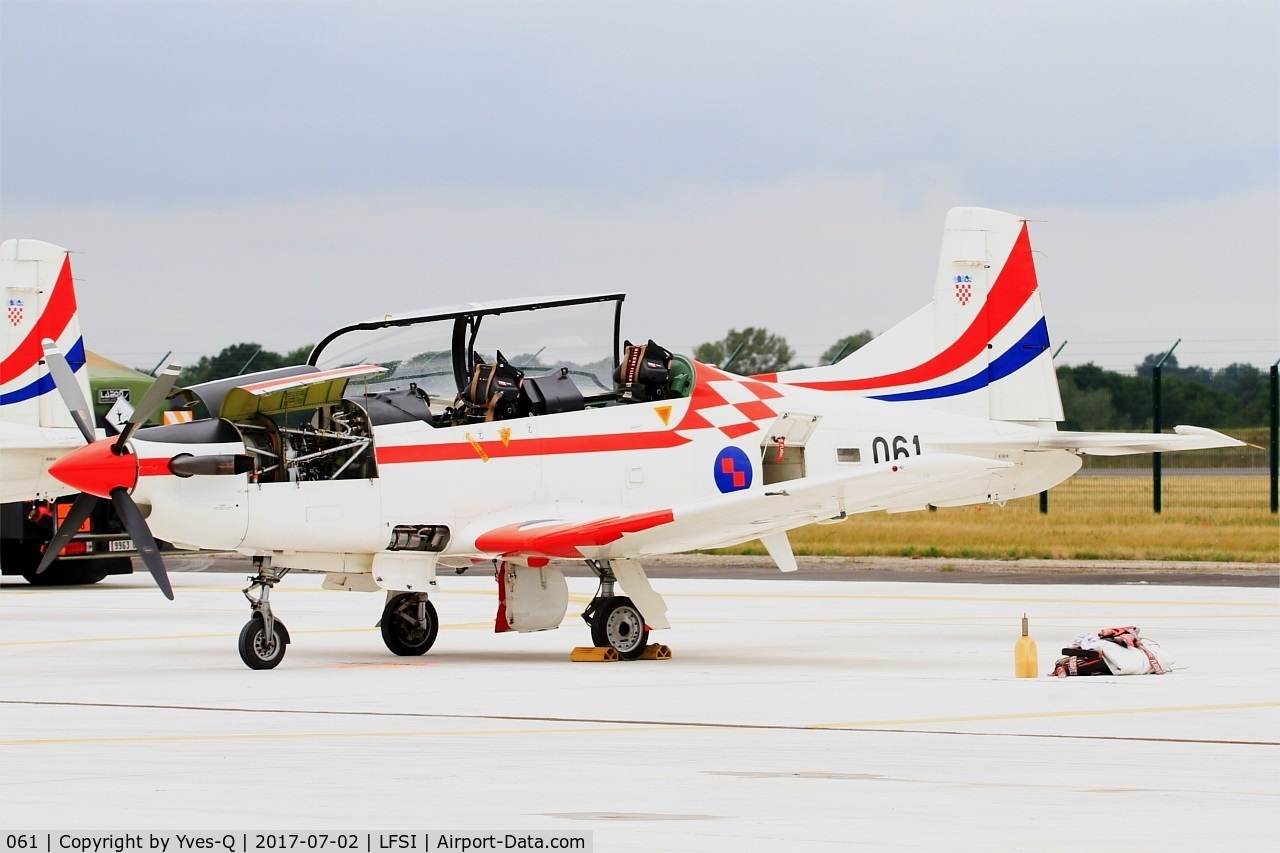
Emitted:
<point x="964" y="289"/>
<point x="15" y="311"/>
<point x="732" y="470"/>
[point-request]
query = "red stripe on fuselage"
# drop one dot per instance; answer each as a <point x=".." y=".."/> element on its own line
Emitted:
<point x="1012" y="289"/>
<point x="517" y="447"/>
<point x="59" y="308"/>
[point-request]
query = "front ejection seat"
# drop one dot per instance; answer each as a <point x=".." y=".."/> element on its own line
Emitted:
<point x="493" y="392"/>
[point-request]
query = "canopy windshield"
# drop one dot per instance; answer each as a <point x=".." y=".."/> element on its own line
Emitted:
<point x="437" y="350"/>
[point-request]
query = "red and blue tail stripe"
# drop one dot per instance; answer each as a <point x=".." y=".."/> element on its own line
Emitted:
<point x="25" y="358"/>
<point x="1009" y="294"/>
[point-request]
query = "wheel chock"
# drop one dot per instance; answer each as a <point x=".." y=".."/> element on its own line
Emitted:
<point x="656" y="651"/>
<point x="594" y="653"/>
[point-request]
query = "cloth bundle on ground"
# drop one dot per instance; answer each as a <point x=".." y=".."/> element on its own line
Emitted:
<point x="1113" y="651"/>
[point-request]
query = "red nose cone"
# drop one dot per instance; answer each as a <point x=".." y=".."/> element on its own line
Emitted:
<point x="96" y="470"/>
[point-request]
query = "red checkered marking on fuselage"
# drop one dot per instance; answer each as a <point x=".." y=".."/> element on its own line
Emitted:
<point x="732" y="405"/>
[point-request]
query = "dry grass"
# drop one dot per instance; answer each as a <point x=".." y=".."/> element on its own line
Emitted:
<point x="1090" y="518"/>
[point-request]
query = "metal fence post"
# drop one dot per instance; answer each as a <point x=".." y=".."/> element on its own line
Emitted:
<point x="1044" y="496"/>
<point x="1156" y="474"/>
<point x="1275" y="437"/>
<point x="1156" y="478"/>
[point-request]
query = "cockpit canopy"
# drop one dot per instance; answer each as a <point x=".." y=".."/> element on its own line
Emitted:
<point x="576" y="337"/>
<point x="458" y="365"/>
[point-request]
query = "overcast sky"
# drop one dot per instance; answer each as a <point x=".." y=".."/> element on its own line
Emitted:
<point x="270" y="171"/>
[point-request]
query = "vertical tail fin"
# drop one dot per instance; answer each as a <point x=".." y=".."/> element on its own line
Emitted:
<point x="40" y="302"/>
<point x="981" y="347"/>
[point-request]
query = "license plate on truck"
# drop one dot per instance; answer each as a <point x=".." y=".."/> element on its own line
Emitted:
<point x="121" y="545"/>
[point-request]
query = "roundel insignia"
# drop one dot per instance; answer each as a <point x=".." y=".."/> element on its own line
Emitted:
<point x="732" y="470"/>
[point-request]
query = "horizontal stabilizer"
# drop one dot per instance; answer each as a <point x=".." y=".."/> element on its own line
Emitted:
<point x="1096" y="443"/>
<point x="1121" y="444"/>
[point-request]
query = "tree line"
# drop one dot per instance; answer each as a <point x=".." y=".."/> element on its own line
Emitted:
<point x="1093" y="397"/>
<point x="1228" y="397"/>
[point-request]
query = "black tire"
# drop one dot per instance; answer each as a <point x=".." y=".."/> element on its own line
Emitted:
<point x="402" y="631"/>
<point x="64" y="573"/>
<point x="620" y="624"/>
<point x="59" y="573"/>
<point x="22" y="557"/>
<point x="254" y="650"/>
<point x="90" y="575"/>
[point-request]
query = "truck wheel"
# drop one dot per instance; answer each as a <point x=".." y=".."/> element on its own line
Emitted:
<point x="58" y="574"/>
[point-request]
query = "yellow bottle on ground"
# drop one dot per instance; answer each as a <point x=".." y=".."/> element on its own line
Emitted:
<point x="1026" y="660"/>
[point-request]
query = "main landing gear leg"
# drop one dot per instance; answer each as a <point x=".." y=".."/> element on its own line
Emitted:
<point x="614" y="620"/>
<point x="263" y="638"/>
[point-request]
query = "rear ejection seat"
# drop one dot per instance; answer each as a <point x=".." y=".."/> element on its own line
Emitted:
<point x="645" y="373"/>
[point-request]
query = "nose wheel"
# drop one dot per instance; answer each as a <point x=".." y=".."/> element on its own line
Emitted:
<point x="261" y="648"/>
<point x="409" y="624"/>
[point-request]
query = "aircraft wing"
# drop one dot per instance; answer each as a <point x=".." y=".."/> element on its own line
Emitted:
<point x="1098" y="443"/>
<point x="742" y="516"/>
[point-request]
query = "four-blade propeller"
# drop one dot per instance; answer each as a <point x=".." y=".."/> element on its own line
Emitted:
<point x="110" y="470"/>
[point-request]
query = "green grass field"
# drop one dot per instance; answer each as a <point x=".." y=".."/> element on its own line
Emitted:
<point x="1221" y="518"/>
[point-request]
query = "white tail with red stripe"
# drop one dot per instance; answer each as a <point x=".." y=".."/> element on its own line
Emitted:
<point x="980" y="348"/>
<point x="35" y="427"/>
<point x="40" y="302"/>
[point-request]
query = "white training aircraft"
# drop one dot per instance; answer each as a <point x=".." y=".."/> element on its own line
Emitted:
<point x="410" y="442"/>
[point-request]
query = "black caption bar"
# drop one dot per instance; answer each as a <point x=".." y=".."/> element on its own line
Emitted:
<point x="455" y="841"/>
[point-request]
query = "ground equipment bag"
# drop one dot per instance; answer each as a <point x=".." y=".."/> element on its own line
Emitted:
<point x="1113" y="651"/>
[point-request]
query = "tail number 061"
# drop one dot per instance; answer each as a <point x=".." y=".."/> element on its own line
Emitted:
<point x="901" y="447"/>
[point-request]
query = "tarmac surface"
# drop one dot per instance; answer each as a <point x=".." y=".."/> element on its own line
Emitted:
<point x="795" y="714"/>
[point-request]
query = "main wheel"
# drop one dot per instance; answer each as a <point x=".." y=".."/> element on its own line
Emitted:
<point x="256" y="649"/>
<point x="409" y="624"/>
<point x="618" y="623"/>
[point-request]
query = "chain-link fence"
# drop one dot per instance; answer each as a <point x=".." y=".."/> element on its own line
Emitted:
<point x="1156" y="394"/>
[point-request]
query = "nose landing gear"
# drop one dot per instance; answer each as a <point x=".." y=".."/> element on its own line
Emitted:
<point x="263" y="638"/>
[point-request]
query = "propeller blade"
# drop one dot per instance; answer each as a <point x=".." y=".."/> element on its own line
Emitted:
<point x="65" y="381"/>
<point x="142" y="538"/>
<point x="151" y="402"/>
<point x="75" y="517"/>
<point x="186" y="465"/>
